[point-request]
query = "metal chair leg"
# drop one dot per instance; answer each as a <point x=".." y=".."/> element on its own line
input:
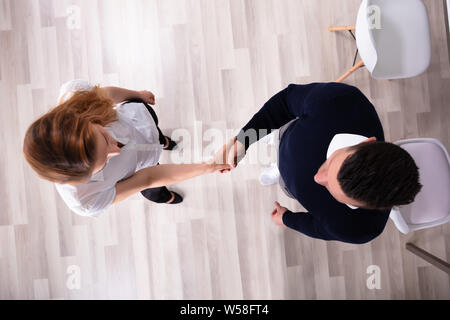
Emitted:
<point x="435" y="261"/>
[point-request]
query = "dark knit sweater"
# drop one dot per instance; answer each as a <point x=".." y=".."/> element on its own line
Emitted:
<point x="323" y="110"/>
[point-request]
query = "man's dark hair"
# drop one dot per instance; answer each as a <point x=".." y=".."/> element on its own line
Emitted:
<point x="380" y="175"/>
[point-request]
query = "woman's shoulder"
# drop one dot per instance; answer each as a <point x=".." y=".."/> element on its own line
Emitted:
<point x="72" y="86"/>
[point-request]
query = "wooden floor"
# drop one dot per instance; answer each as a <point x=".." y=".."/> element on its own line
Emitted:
<point x="211" y="64"/>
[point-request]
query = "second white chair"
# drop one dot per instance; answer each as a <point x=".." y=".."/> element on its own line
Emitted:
<point x="393" y="38"/>
<point x="432" y="205"/>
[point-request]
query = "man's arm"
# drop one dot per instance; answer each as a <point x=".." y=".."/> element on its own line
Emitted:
<point x="305" y="223"/>
<point x="273" y="115"/>
<point x="283" y="107"/>
<point x="338" y="230"/>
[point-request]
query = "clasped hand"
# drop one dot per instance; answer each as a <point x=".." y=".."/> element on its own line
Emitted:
<point x="231" y="153"/>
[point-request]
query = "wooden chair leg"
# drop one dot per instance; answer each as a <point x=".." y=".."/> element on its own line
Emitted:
<point x="435" y="261"/>
<point x="349" y="72"/>
<point x="342" y="28"/>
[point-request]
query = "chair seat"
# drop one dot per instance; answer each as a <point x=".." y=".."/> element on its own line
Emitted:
<point x="401" y="48"/>
<point x="433" y="201"/>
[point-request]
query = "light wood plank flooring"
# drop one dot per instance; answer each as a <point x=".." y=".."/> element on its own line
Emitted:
<point x="211" y="64"/>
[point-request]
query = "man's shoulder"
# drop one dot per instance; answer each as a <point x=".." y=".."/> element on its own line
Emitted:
<point x="320" y="87"/>
<point x="320" y="96"/>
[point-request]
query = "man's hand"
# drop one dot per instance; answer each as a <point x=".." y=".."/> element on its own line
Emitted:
<point x="232" y="152"/>
<point x="277" y="215"/>
<point x="147" y="97"/>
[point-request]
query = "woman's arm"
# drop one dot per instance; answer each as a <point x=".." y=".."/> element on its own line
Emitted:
<point x="119" y="95"/>
<point x="162" y="175"/>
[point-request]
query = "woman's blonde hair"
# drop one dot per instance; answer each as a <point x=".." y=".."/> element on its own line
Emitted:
<point x="60" y="146"/>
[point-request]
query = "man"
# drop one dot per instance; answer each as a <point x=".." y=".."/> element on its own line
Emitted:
<point x="333" y="159"/>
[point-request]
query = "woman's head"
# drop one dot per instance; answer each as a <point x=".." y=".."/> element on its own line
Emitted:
<point x="63" y="145"/>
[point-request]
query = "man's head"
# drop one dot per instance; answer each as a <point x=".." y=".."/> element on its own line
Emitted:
<point x="371" y="175"/>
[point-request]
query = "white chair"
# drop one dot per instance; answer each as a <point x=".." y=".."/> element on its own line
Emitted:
<point x="431" y="206"/>
<point x="393" y="38"/>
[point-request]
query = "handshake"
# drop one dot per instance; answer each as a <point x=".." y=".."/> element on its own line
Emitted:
<point x="228" y="156"/>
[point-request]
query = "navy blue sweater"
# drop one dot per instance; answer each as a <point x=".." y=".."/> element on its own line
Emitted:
<point x="323" y="110"/>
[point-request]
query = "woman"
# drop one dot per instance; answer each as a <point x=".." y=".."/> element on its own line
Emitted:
<point x="101" y="145"/>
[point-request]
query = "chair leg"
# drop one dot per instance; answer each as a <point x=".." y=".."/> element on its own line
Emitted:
<point x="349" y="72"/>
<point x="435" y="261"/>
<point x="342" y="28"/>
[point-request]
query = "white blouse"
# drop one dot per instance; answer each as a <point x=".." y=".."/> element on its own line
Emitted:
<point x="136" y="129"/>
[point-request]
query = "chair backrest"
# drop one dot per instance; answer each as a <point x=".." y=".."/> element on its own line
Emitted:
<point x="364" y="37"/>
<point x="432" y="205"/>
<point x="394" y="37"/>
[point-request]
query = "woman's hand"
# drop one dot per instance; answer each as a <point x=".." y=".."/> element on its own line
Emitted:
<point x="216" y="167"/>
<point x="147" y="97"/>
